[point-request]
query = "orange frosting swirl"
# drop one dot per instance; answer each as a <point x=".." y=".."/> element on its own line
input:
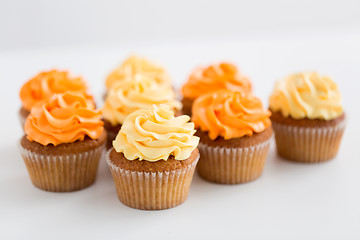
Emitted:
<point x="230" y="114"/>
<point x="63" y="118"/>
<point x="45" y="84"/>
<point x="215" y="77"/>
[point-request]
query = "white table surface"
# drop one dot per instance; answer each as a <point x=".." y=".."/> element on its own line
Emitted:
<point x="289" y="201"/>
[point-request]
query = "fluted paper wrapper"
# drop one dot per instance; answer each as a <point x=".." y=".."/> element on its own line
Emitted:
<point x="152" y="190"/>
<point x="62" y="173"/>
<point x="308" y="145"/>
<point x="232" y="165"/>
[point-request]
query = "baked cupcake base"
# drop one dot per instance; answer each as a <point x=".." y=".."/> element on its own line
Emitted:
<point x="234" y="161"/>
<point x="151" y="185"/>
<point x="187" y="105"/>
<point x="23" y="114"/>
<point x="307" y="140"/>
<point x="112" y="132"/>
<point x="63" y="168"/>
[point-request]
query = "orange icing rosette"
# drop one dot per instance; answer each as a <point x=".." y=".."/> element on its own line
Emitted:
<point x="64" y="118"/>
<point x="136" y="65"/>
<point x="45" y="84"/>
<point x="215" y="77"/>
<point x="230" y="114"/>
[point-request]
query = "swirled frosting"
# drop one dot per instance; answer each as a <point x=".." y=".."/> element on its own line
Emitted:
<point x="142" y="92"/>
<point x="230" y="114"/>
<point x="215" y="77"/>
<point x="64" y="118"/>
<point x="155" y="134"/>
<point x="45" y="84"/>
<point x="307" y="95"/>
<point x="135" y="65"/>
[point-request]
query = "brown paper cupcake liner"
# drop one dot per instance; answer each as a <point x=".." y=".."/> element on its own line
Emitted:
<point x="308" y="145"/>
<point x="62" y="173"/>
<point x="152" y="190"/>
<point x="232" y="165"/>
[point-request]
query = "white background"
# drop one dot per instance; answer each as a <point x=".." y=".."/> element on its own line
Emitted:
<point x="266" y="39"/>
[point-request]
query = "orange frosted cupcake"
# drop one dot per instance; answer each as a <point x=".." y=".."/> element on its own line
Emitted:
<point x="154" y="159"/>
<point x="128" y="96"/>
<point x="235" y="132"/>
<point x="308" y="117"/>
<point x="44" y="85"/>
<point x="212" y="78"/>
<point x="136" y="65"/>
<point x="64" y="140"/>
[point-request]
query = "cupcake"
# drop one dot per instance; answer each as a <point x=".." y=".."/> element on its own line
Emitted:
<point x="44" y="85"/>
<point x="235" y="133"/>
<point x="128" y="96"/>
<point x="212" y="78"/>
<point x="308" y="117"/>
<point x="154" y="158"/>
<point x="64" y="140"/>
<point x="135" y="65"/>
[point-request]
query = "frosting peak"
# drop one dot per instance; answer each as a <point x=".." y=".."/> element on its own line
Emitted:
<point x="141" y="93"/>
<point x="45" y="84"/>
<point x="215" y="77"/>
<point x="64" y="118"/>
<point x="307" y="95"/>
<point x="155" y="134"/>
<point x="136" y="65"/>
<point x="230" y="114"/>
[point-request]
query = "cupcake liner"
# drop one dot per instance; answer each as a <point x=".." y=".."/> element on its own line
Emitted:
<point x="232" y="165"/>
<point x="62" y="173"/>
<point x="308" y="145"/>
<point x="152" y="190"/>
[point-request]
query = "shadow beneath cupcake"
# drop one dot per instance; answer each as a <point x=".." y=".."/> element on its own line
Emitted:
<point x="104" y="171"/>
<point x="278" y="167"/>
<point x="205" y="188"/>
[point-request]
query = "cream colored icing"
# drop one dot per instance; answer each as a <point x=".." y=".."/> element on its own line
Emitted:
<point x="140" y="93"/>
<point x="155" y="134"/>
<point x="137" y="65"/>
<point x="307" y="95"/>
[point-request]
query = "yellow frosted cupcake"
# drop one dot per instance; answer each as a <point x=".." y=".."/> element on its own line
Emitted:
<point x="125" y="97"/>
<point x="213" y="78"/>
<point x="308" y="117"/>
<point x="136" y="65"/>
<point x="154" y="158"/>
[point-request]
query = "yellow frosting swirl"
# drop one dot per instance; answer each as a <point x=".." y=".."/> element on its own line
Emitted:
<point x="307" y="95"/>
<point x="140" y="93"/>
<point x="155" y="134"/>
<point x="135" y="65"/>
